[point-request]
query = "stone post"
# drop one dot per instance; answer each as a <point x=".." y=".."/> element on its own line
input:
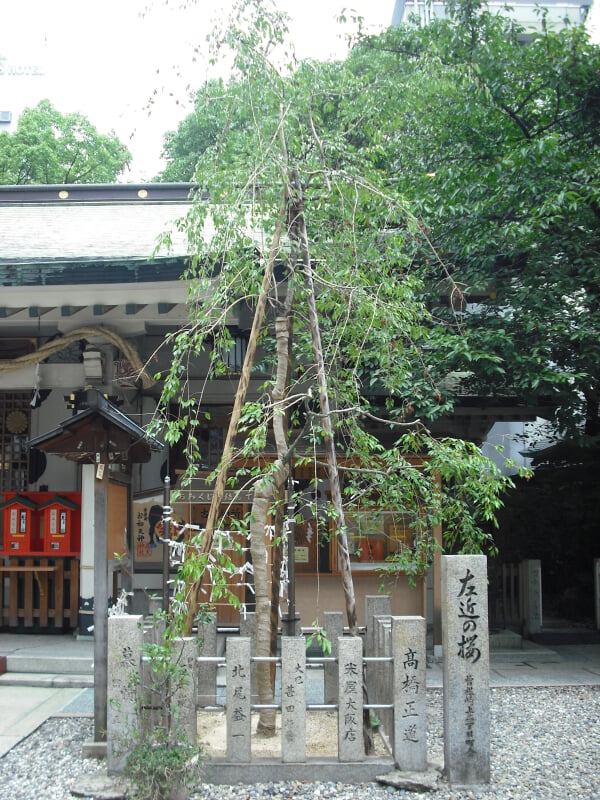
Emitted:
<point x="125" y="640"/>
<point x="248" y="630"/>
<point x="376" y="605"/>
<point x="206" y="671"/>
<point x="333" y="622"/>
<point x="153" y="687"/>
<point x="293" y="699"/>
<point x="510" y="594"/>
<point x="239" y="700"/>
<point x="530" y="585"/>
<point x="350" y="711"/>
<point x="382" y="690"/>
<point x="409" y="647"/>
<point x="466" y="667"/>
<point x="183" y="689"/>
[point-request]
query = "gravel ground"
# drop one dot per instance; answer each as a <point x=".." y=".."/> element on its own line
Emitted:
<point x="545" y="745"/>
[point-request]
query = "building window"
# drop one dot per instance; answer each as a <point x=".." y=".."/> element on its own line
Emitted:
<point x="211" y="441"/>
<point x="376" y="537"/>
<point x="234" y="355"/>
<point x="14" y="433"/>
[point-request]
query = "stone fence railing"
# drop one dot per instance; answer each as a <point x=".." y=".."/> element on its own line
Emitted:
<point x="391" y="660"/>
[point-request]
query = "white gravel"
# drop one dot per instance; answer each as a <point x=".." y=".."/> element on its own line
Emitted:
<point x="545" y="745"/>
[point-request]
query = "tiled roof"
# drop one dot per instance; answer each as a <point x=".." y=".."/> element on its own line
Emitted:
<point x="98" y="234"/>
<point x="43" y="233"/>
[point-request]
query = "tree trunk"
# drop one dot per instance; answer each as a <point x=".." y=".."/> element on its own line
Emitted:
<point x="264" y="495"/>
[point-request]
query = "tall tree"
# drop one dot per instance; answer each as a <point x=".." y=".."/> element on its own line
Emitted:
<point x="203" y="128"/>
<point x="50" y="147"/>
<point x="494" y="137"/>
<point x="345" y="307"/>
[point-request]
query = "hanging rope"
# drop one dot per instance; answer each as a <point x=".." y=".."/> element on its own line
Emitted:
<point x="56" y="345"/>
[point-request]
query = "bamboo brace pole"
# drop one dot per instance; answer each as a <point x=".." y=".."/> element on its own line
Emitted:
<point x="329" y="440"/>
<point x="240" y="399"/>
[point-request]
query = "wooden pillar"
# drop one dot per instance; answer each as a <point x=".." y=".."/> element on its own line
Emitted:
<point x="86" y="564"/>
<point x="437" y="585"/>
<point x="100" y="601"/>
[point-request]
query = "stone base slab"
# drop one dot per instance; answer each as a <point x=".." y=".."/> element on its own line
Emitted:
<point x="94" y="750"/>
<point x="265" y="770"/>
<point x="429" y="781"/>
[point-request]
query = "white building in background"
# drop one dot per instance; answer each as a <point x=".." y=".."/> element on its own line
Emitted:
<point x="527" y="12"/>
<point x="592" y="22"/>
<point x="20" y="86"/>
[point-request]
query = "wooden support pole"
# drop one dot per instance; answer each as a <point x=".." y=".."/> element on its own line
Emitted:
<point x="100" y="604"/>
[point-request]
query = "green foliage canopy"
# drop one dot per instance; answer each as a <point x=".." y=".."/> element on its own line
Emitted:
<point x="49" y="147"/>
<point x="312" y="133"/>
<point x="494" y="138"/>
<point x="491" y="137"/>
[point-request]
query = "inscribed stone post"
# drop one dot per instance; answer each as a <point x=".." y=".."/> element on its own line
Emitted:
<point x="293" y="699"/>
<point x="206" y="671"/>
<point x="466" y="670"/>
<point x="125" y="639"/>
<point x="183" y="688"/>
<point x="333" y="622"/>
<point x="239" y="700"/>
<point x="350" y="711"/>
<point x="410" y="693"/>
<point x="530" y="584"/>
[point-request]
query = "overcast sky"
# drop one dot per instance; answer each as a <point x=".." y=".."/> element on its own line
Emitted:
<point x="107" y="59"/>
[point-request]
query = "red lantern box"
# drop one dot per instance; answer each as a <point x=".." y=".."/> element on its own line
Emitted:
<point x="61" y="526"/>
<point x="21" y="527"/>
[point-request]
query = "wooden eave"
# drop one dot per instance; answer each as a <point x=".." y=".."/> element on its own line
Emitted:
<point x="99" y="434"/>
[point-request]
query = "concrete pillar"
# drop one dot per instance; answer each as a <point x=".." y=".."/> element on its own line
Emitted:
<point x="350" y="712"/>
<point x="466" y="668"/>
<point x="124" y="654"/>
<point x="239" y="700"/>
<point x="409" y="647"/>
<point x="293" y="699"/>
